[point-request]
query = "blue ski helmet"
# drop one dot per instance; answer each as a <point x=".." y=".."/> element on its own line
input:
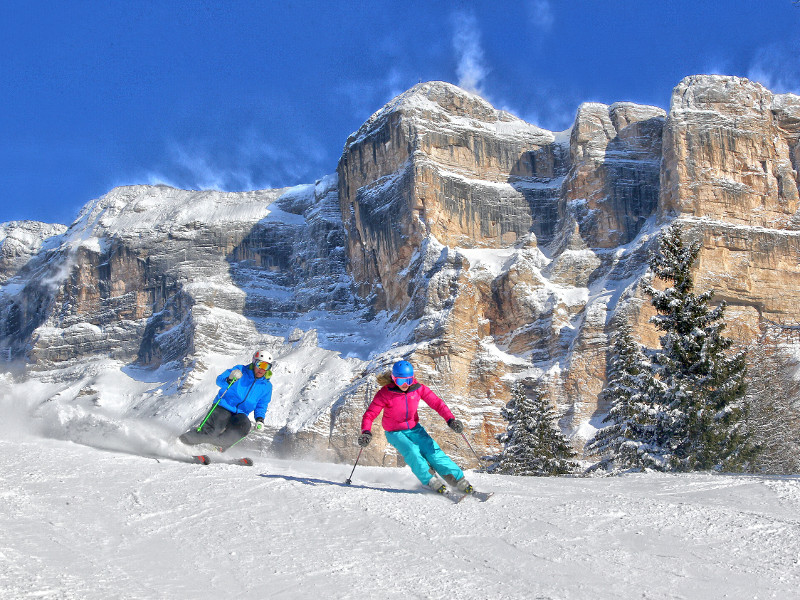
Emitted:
<point x="402" y="368"/>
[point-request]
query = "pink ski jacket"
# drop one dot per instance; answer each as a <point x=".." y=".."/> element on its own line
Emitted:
<point x="400" y="408"/>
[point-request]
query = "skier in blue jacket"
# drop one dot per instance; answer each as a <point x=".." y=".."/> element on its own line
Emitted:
<point x="245" y="389"/>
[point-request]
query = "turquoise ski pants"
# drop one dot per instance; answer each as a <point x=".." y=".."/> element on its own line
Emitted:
<point x="421" y="451"/>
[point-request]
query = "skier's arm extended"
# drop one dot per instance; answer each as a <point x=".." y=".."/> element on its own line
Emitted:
<point x="372" y="412"/>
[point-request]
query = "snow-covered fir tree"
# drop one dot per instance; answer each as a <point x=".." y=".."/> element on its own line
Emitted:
<point x="533" y="443"/>
<point x="702" y="420"/>
<point x="773" y="407"/>
<point x="628" y="441"/>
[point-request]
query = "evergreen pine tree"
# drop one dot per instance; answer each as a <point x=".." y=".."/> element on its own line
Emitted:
<point x="773" y="415"/>
<point x="702" y="424"/>
<point x="533" y="443"/>
<point x="628" y="442"/>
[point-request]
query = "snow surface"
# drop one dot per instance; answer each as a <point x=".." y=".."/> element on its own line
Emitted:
<point x="79" y="522"/>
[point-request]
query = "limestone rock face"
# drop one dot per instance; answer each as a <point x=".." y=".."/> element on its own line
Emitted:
<point x="613" y="183"/>
<point x="439" y="162"/>
<point x="25" y="250"/>
<point x="155" y="276"/>
<point x="21" y="241"/>
<point x="730" y="169"/>
<point x="730" y="153"/>
<point x="123" y="273"/>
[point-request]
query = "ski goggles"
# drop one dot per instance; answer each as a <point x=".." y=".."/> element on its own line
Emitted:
<point x="262" y="364"/>
<point x="402" y="380"/>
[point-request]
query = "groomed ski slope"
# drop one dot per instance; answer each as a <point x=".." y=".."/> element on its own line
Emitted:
<point x="81" y="523"/>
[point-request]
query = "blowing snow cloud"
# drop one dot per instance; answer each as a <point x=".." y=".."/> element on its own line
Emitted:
<point x="470" y="69"/>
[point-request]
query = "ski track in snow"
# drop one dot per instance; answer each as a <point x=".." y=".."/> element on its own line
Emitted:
<point x="82" y="523"/>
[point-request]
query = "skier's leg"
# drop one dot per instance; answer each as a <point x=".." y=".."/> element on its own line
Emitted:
<point x="237" y="429"/>
<point x="213" y="427"/>
<point x="410" y="452"/>
<point x="434" y="455"/>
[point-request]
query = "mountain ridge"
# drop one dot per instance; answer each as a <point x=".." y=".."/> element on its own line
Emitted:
<point x="487" y="250"/>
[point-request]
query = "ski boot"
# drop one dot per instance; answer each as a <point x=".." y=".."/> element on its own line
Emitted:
<point x="464" y="486"/>
<point x="437" y="485"/>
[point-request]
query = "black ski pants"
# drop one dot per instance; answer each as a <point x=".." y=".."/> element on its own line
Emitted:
<point x="223" y="428"/>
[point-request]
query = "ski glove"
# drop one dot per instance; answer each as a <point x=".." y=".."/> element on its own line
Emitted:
<point x="259" y="424"/>
<point x="364" y="439"/>
<point x="234" y="376"/>
<point x="456" y="425"/>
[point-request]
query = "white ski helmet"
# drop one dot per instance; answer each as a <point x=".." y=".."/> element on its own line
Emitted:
<point x="262" y="356"/>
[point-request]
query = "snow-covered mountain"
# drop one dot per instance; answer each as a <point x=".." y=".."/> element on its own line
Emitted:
<point x="483" y="248"/>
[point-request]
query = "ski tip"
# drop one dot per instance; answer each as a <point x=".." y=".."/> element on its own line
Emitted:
<point x="201" y="459"/>
<point x="248" y="462"/>
<point x="482" y="496"/>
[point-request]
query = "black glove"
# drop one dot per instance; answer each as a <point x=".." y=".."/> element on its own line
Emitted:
<point x="364" y="439"/>
<point x="456" y="425"/>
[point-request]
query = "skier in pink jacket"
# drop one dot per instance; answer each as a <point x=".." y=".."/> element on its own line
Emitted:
<point x="398" y="399"/>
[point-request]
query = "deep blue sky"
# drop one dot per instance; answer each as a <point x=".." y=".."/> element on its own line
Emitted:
<point x="246" y="95"/>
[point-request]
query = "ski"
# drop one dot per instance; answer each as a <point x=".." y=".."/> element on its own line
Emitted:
<point x="204" y="459"/>
<point x="457" y="496"/>
<point x="479" y="496"/>
<point x="200" y="459"/>
<point x="454" y="497"/>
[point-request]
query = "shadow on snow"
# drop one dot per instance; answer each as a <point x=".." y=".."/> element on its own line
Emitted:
<point x="314" y="481"/>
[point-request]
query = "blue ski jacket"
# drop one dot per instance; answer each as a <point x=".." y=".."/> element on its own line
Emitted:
<point x="248" y="394"/>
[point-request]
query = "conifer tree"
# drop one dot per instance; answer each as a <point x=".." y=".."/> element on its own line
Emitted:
<point x="533" y="443"/>
<point x="628" y="442"/>
<point x="773" y="415"/>
<point x="704" y="384"/>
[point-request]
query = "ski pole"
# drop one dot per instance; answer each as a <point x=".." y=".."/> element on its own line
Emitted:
<point x="470" y="446"/>
<point x="215" y="405"/>
<point x="349" y="480"/>
<point x="234" y="443"/>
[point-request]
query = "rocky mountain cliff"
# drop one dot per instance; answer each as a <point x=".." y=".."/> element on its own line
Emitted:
<point x="483" y="248"/>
